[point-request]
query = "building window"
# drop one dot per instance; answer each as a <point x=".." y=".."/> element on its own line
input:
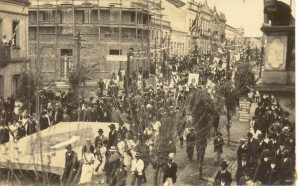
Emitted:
<point x="86" y="16"/>
<point x="115" y="52"/>
<point x="132" y="17"/>
<point x="15" y="32"/>
<point x="66" y="62"/>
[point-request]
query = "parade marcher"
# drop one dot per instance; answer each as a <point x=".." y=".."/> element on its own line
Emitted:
<point x="100" y="138"/>
<point x="112" y="136"/>
<point x="244" y="179"/>
<point x="264" y="167"/>
<point x="4" y="134"/>
<point x="88" y="145"/>
<point x="218" y="148"/>
<point x="57" y="114"/>
<point x="137" y="168"/>
<point x="170" y="171"/>
<point x="71" y="166"/>
<point x="286" y="169"/>
<point x="44" y="120"/>
<point x="99" y="164"/>
<point x="121" y="175"/>
<point x="223" y="176"/>
<point x="253" y="149"/>
<point x="122" y="130"/>
<point x="242" y="166"/>
<point x="190" y="143"/>
<point x="201" y="144"/>
<point x="31" y="126"/>
<point x="242" y="149"/>
<point x="87" y="167"/>
<point x="113" y="164"/>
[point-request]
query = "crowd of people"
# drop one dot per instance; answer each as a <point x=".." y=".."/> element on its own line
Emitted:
<point x="268" y="155"/>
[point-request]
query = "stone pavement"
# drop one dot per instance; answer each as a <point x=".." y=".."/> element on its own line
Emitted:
<point x="188" y="171"/>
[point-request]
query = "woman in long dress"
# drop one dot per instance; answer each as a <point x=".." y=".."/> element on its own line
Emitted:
<point x="87" y="167"/>
<point x="99" y="164"/>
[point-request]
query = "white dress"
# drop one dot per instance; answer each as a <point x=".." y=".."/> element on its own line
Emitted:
<point x="97" y="162"/>
<point x="87" y="168"/>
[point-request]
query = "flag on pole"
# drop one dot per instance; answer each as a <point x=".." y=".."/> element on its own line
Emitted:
<point x="195" y="21"/>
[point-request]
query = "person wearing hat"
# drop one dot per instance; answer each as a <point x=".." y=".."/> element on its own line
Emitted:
<point x="190" y="143"/>
<point x="88" y="145"/>
<point x="287" y="169"/>
<point x="56" y="114"/>
<point x="113" y="163"/>
<point x="31" y="126"/>
<point x="71" y="166"/>
<point x="242" y="149"/>
<point x="100" y="137"/>
<point x="170" y="171"/>
<point x="137" y="167"/>
<point x="264" y="167"/>
<point x="242" y="166"/>
<point x="122" y="131"/>
<point x="44" y="120"/>
<point x="218" y="148"/>
<point x="244" y="179"/>
<point x="112" y="136"/>
<point x="223" y="176"/>
<point x="100" y="161"/>
<point x="65" y="116"/>
<point x="253" y="149"/>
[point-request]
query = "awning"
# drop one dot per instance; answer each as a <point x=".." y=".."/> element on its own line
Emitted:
<point x="47" y="152"/>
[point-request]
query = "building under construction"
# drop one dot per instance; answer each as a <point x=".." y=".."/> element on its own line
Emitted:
<point x="99" y="33"/>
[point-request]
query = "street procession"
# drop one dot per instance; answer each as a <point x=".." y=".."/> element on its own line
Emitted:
<point x="158" y="92"/>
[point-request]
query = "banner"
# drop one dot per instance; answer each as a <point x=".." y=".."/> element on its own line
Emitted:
<point x="244" y="109"/>
<point x="193" y="79"/>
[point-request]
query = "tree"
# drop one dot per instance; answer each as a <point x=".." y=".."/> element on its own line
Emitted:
<point x="244" y="78"/>
<point x="227" y="91"/>
<point x="80" y="75"/>
<point x="26" y="90"/>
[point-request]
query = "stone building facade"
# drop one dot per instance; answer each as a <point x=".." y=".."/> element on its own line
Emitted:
<point x="14" y="47"/>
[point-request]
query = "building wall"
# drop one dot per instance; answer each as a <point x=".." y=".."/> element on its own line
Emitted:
<point x="11" y="12"/>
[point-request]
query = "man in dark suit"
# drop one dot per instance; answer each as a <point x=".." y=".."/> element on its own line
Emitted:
<point x="44" y="120"/>
<point x="253" y="149"/>
<point x="57" y="114"/>
<point x="242" y="149"/>
<point x="170" y="171"/>
<point x="122" y="130"/>
<point x="4" y="134"/>
<point x="218" y="147"/>
<point x="243" y="165"/>
<point x="286" y="169"/>
<point x="112" y="136"/>
<point x="100" y="138"/>
<point x="71" y="165"/>
<point x="223" y="176"/>
<point x="190" y="143"/>
<point x="31" y="126"/>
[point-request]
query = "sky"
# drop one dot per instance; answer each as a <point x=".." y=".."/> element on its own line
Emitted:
<point x="244" y="13"/>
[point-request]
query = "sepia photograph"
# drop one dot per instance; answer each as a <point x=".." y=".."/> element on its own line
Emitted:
<point x="147" y="92"/>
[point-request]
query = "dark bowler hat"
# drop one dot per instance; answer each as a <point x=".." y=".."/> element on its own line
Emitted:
<point x="219" y="134"/>
<point x="224" y="164"/>
<point x="68" y="146"/>
<point x="112" y="126"/>
<point x="100" y="130"/>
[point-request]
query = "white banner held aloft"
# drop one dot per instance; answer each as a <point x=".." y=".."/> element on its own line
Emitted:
<point x="193" y="79"/>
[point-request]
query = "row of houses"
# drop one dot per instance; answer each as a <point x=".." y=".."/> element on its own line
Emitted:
<point x="108" y="30"/>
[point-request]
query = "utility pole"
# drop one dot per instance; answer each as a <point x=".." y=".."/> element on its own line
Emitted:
<point x="78" y="39"/>
<point x="127" y="72"/>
